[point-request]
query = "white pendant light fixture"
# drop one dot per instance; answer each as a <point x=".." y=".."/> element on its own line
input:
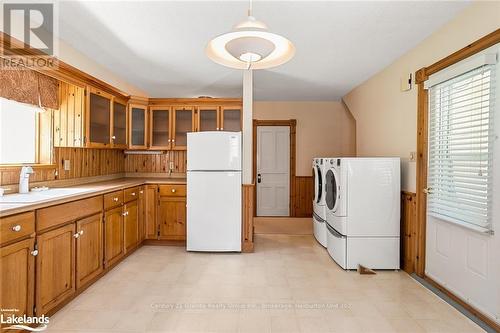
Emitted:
<point x="250" y="46"/>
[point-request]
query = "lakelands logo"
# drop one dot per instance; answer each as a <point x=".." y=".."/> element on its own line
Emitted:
<point x="29" y="30"/>
<point x="24" y="322"/>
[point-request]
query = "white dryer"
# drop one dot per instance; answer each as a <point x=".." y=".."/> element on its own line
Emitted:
<point x="319" y="208"/>
<point x="363" y="211"/>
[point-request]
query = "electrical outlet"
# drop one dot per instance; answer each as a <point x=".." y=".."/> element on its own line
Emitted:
<point x="413" y="155"/>
<point x="171" y="165"/>
<point x="67" y="165"/>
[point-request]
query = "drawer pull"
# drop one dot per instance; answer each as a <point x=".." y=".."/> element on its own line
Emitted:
<point x="141" y="192"/>
<point x="173" y="190"/>
<point x="16" y="228"/>
<point x="133" y="193"/>
<point x="76" y="235"/>
<point x="125" y="213"/>
<point x="115" y="199"/>
<point x="34" y="253"/>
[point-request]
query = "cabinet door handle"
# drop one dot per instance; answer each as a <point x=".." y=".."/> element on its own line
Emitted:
<point x="113" y="137"/>
<point x="16" y="228"/>
<point x="34" y="253"/>
<point x="115" y="199"/>
<point x="125" y="213"/>
<point x="81" y="232"/>
<point x="76" y="235"/>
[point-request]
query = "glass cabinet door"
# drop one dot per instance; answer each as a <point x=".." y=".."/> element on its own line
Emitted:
<point x="119" y="137"/>
<point x="231" y="119"/>
<point x="183" y="123"/>
<point x="208" y="119"/>
<point x="137" y="137"/>
<point x="100" y="116"/>
<point x="160" y="128"/>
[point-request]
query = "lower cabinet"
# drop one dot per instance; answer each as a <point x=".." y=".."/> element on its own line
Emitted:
<point x="113" y="236"/>
<point x="150" y="206"/>
<point x="55" y="267"/>
<point x="89" y="249"/>
<point x="131" y="225"/>
<point x="17" y="290"/>
<point x="172" y="218"/>
<point x="141" y="203"/>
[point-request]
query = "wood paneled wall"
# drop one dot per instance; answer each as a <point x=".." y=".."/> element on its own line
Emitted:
<point x="408" y="231"/>
<point x="158" y="163"/>
<point x="89" y="162"/>
<point x="83" y="163"/>
<point x="304" y="193"/>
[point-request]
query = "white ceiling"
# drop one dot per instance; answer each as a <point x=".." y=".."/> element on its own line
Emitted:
<point x="158" y="46"/>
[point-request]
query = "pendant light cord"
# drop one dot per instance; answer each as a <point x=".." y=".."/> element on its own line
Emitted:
<point x="250" y="8"/>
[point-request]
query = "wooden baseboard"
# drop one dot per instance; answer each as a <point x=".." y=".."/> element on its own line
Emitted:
<point x="467" y="306"/>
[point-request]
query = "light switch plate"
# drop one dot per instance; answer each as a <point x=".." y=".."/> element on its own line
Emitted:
<point x="67" y="165"/>
<point x="406" y="82"/>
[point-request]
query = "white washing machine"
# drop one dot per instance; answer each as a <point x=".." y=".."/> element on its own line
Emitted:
<point x="319" y="205"/>
<point x="363" y="211"/>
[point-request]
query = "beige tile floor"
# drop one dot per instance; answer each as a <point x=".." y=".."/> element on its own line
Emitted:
<point x="289" y="284"/>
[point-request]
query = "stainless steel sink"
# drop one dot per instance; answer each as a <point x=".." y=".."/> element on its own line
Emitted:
<point x="32" y="197"/>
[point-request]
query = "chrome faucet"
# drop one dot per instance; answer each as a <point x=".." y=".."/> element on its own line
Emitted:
<point x="24" y="179"/>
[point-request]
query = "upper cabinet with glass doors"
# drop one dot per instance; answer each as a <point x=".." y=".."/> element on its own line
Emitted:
<point x="183" y="123"/>
<point x="138" y="120"/>
<point x="219" y="118"/>
<point x="106" y="120"/>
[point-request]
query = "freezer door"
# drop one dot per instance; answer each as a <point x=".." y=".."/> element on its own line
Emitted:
<point x="214" y="211"/>
<point x="214" y="151"/>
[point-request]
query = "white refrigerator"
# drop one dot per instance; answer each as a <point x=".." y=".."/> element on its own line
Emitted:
<point x="214" y="191"/>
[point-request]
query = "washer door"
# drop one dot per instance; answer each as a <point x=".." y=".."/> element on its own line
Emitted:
<point x="318" y="184"/>
<point x="332" y="195"/>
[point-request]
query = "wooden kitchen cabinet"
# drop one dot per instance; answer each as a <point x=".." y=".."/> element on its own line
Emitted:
<point x="215" y="118"/>
<point x="230" y="118"/>
<point x="89" y="249"/>
<point x="98" y="118"/>
<point x="150" y="209"/>
<point x="172" y="218"/>
<point x="160" y="124"/>
<point x="113" y="236"/>
<point x="183" y="123"/>
<point x="119" y="124"/>
<point x="172" y="212"/>
<point x="131" y="225"/>
<point x="207" y="119"/>
<point x="17" y="276"/>
<point x="55" y="267"/>
<point x="138" y="117"/>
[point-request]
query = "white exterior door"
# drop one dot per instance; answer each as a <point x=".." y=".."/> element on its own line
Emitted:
<point x="273" y="170"/>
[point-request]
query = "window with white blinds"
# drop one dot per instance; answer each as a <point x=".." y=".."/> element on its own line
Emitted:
<point x="461" y="115"/>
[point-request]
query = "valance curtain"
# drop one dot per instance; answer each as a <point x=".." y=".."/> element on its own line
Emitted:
<point x="28" y="86"/>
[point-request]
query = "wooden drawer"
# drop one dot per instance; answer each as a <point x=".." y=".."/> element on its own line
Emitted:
<point x="71" y="211"/>
<point x="173" y="190"/>
<point x="113" y="199"/>
<point x="16" y="226"/>
<point x="130" y="194"/>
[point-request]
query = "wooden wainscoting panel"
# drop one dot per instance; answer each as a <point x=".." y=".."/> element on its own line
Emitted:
<point x="248" y="209"/>
<point x="408" y="231"/>
<point x="304" y="192"/>
<point x="9" y="175"/>
<point x="157" y="163"/>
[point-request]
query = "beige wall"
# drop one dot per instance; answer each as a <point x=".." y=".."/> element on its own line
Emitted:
<point x="324" y="129"/>
<point x="386" y="118"/>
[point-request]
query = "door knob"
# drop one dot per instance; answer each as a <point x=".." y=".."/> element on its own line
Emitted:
<point x="427" y="190"/>
<point x="259" y="178"/>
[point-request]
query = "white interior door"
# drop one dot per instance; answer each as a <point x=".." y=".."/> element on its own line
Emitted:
<point x="273" y="170"/>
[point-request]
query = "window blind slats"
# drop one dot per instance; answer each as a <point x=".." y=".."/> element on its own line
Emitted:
<point x="460" y="148"/>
